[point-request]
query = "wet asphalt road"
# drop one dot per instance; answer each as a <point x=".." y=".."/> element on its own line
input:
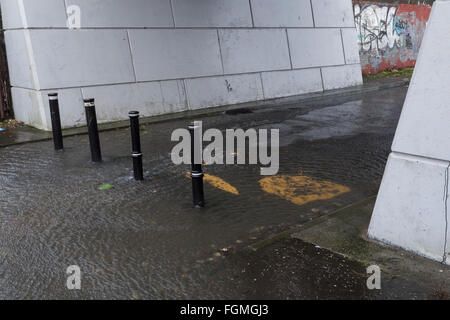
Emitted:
<point x="143" y="240"/>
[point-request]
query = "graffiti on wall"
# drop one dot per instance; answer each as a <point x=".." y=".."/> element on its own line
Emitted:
<point x="389" y="35"/>
<point x="378" y="28"/>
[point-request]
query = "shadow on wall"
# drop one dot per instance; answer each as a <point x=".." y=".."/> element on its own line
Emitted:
<point x="389" y="34"/>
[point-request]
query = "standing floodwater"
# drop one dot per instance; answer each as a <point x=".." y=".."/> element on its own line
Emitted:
<point x="143" y="239"/>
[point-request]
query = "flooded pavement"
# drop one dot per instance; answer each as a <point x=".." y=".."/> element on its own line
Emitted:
<point x="143" y="240"/>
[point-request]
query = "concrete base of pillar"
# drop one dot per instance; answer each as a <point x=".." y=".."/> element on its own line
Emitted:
<point x="412" y="206"/>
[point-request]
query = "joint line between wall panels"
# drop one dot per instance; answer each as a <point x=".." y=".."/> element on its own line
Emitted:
<point x="186" y="92"/>
<point x="173" y="13"/>
<point x="343" y="46"/>
<point x="220" y="52"/>
<point x="321" y="77"/>
<point x="312" y="13"/>
<point x="289" y="49"/>
<point x="251" y="12"/>
<point x="262" y="86"/>
<point x="131" y="56"/>
<point x="65" y="7"/>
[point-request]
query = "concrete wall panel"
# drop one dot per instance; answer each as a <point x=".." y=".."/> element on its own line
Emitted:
<point x="286" y="13"/>
<point x="11" y="18"/>
<point x="81" y="57"/>
<point x="341" y="76"/>
<point x="287" y="83"/>
<point x="26" y="107"/>
<point x="212" y="13"/>
<point x="254" y="50"/>
<point x="333" y="13"/>
<point x="45" y="13"/>
<point x="172" y="54"/>
<point x="33" y="14"/>
<point x="150" y="98"/>
<point x="32" y="107"/>
<point x="216" y="91"/>
<point x="315" y="47"/>
<point x="20" y="73"/>
<point x="351" y="48"/>
<point x="410" y="210"/>
<point x="71" y="107"/>
<point x="117" y="13"/>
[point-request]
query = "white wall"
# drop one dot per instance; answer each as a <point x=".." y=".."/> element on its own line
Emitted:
<point x="160" y="56"/>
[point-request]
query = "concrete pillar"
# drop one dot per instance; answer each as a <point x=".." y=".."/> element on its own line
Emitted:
<point x="411" y="210"/>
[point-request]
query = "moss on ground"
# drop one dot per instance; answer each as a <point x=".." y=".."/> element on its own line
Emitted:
<point x="407" y="72"/>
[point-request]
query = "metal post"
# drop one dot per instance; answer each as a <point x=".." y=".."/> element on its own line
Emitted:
<point x="196" y="172"/>
<point x="94" y="140"/>
<point x="136" y="143"/>
<point x="56" y="121"/>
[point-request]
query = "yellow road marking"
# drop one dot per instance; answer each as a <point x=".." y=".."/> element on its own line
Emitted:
<point x="301" y="189"/>
<point x="218" y="183"/>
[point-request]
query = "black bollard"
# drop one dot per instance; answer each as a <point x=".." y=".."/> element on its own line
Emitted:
<point x="196" y="173"/>
<point x="136" y="143"/>
<point x="94" y="140"/>
<point x="56" y="121"/>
